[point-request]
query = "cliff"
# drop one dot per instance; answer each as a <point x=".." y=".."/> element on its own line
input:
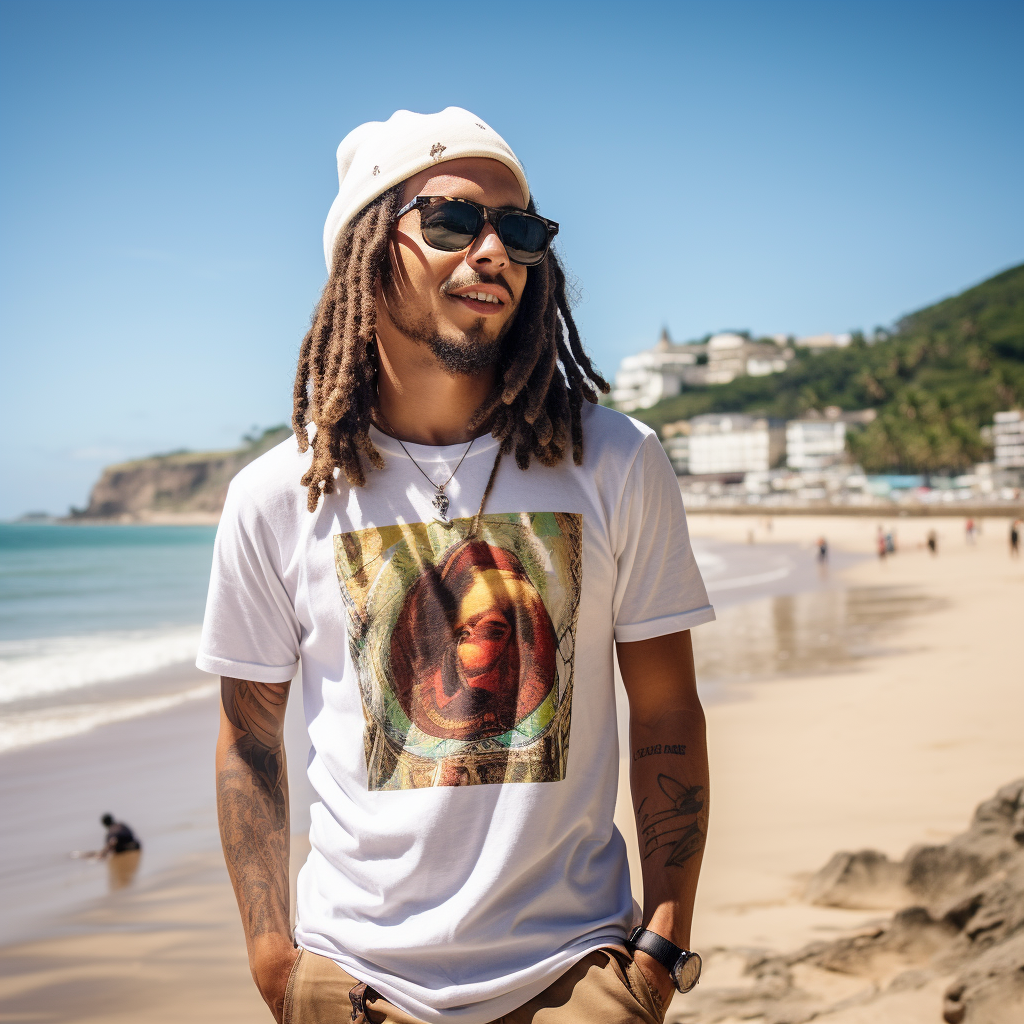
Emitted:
<point x="179" y="486"/>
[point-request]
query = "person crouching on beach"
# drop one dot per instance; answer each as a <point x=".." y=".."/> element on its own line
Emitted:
<point x="451" y="546"/>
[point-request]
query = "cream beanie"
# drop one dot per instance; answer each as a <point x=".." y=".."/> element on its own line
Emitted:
<point x="379" y="154"/>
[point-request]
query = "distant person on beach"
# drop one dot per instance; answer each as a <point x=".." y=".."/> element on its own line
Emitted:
<point x="933" y="542"/>
<point x="120" y="838"/>
<point x="1015" y="528"/>
<point x="822" y="550"/>
<point x="969" y="531"/>
<point x="880" y="544"/>
<point x="452" y="547"/>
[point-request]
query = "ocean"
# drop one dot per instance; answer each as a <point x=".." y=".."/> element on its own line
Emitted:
<point x="101" y="623"/>
<point x="84" y="609"/>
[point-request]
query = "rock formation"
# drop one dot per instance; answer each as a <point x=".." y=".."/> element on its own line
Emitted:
<point x="179" y="485"/>
<point x="964" y="921"/>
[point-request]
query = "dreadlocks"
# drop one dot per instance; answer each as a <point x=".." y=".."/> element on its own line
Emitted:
<point x="544" y="374"/>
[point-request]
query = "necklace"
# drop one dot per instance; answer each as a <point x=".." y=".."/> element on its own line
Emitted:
<point x="440" y="500"/>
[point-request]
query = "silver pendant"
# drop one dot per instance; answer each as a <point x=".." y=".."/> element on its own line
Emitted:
<point x="440" y="502"/>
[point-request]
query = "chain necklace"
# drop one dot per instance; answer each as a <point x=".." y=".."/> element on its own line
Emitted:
<point x="440" y="500"/>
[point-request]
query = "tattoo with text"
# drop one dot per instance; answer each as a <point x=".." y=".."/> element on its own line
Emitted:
<point x="659" y="748"/>
<point x="252" y="802"/>
<point x="669" y="827"/>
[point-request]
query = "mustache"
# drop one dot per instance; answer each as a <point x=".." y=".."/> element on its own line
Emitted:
<point x="451" y="284"/>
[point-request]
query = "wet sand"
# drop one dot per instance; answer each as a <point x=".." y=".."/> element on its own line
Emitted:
<point x="872" y="714"/>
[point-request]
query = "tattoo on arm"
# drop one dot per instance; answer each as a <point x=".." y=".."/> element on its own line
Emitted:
<point x="659" y="748"/>
<point x="670" y="827"/>
<point x="252" y="799"/>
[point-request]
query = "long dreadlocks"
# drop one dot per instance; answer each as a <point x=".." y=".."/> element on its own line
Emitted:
<point x="544" y="374"/>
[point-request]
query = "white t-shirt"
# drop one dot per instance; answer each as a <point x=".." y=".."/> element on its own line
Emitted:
<point x="459" y="697"/>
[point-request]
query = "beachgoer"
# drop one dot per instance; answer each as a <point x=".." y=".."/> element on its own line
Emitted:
<point x="1015" y="527"/>
<point x="890" y="543"/>
<point x="880" y="544"/>
<point x="969" y="531"/>
<point x="822" y="550"/>
<point x="120" y="838"/>
<point x="933" y="542"/>
<point x="451" y="548"/>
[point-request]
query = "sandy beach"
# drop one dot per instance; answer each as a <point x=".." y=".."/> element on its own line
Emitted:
<point x="875" y="711"/>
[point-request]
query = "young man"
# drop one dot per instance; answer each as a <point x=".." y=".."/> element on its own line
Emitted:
<point x="450" y="548"/>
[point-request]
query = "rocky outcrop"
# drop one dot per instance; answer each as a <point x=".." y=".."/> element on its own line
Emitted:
<point x="178" y="485"/>
<point x="965" y="923"/>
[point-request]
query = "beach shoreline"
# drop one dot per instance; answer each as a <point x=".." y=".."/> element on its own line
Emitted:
<point x="880" y="750"/>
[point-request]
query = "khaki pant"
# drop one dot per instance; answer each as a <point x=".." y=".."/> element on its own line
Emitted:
<point x="605" y="987"/>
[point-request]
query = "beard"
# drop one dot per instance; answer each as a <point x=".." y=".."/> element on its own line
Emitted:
<point x="464" y="356"/>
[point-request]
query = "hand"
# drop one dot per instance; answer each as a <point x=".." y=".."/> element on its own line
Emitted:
<point x="273" y="957"/>
<point x="658" y="977"/>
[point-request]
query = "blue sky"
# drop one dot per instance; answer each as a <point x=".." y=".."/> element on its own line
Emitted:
<point x="165" y="169"/>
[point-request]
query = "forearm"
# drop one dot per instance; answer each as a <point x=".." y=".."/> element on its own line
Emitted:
<point x="669" y="782"/>
<point x="252" y="808"/>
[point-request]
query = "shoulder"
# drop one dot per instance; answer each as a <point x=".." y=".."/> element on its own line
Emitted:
<point x="270" y="486"/>
<point x="611" y="438"/>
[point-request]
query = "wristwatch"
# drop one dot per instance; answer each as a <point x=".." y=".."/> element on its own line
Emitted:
<point x="682" y="964"/>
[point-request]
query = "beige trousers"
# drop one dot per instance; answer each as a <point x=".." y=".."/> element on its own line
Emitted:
<point x="605" y="987"/>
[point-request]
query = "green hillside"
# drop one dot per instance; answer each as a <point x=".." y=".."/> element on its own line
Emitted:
<point x="934" y="382"/>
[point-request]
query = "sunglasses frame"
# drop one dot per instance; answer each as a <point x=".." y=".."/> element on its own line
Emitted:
<point x="492" y="216"/>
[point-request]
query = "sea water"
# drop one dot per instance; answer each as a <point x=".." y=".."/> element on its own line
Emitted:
<point x="85" y="607"/>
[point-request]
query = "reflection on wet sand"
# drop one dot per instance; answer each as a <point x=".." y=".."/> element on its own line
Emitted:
<point x="802" y="633"/>
<point x="121" y="868"/>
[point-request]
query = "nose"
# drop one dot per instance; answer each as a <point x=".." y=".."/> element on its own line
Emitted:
<point x="487" y="255"/>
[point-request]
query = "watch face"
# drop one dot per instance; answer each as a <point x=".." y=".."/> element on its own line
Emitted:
<point x="686" y="971"/>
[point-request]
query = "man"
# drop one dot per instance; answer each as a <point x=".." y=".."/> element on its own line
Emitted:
<point x="450" y="547"/>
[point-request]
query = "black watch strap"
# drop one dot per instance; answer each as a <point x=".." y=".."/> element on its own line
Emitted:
<point x="665" y="952"/>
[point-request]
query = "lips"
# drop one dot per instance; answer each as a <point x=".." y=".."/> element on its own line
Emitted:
<point x="480" y="302"/>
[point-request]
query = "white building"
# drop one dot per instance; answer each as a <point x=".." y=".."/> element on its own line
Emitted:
<point x="675" y="438"/>
<point x="1008" y="439"/>
<point x="818" y="440"/>
<point x="661" y="372"/>
<point x="820" y="342"/>
<point x="814" y="443"/>
<point x="646" y="378"/>
<point x="734" y="443"/>
<point x="732" y="355"/>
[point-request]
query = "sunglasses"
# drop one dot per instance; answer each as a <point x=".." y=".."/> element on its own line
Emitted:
<point x="452" y="225"/>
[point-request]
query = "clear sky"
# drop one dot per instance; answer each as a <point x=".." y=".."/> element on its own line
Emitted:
<point x="165" y="169"/>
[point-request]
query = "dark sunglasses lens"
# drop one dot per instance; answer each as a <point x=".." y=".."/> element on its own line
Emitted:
<point x="450" y="226"/>
<point x="525" y="238"/>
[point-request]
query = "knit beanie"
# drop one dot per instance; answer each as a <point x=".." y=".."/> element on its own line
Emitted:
<point x="379" y="154"/>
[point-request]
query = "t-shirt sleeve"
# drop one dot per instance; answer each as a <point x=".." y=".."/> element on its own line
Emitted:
<point x="250" y="630"/>
<point x="658" y="588"/>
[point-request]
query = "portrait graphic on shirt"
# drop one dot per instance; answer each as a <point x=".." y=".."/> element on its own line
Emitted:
<point x="464" y="647"/>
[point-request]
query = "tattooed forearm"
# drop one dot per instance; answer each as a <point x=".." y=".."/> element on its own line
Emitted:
<point x="659" y="748"/>
<point x="673" y="822"/>
<point x="252" y="804"/>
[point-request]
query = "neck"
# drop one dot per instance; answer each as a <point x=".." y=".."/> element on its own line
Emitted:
<point x="421" y="402"/>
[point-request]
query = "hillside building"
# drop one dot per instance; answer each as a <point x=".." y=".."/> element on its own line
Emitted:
<point x="664" y="371"/>
<point x="1008" y="439"/>
<point x="675" y="438"/>
<point x="732" y="355"/>
<point x="723" y="443"/>
<point x="821" y="342"/>
<point x="661" y="372"/>
<point x="818" y="439"/>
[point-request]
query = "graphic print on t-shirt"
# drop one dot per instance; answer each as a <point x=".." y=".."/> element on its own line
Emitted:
<point x="464" y="646"/>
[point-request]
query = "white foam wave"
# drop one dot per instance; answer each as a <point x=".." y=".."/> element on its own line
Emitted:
<point x="34" y="668"/>
<point x="26" y="728"/>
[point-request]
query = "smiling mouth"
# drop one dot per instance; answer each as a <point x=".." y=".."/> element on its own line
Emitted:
<point x="481" y="302"/>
